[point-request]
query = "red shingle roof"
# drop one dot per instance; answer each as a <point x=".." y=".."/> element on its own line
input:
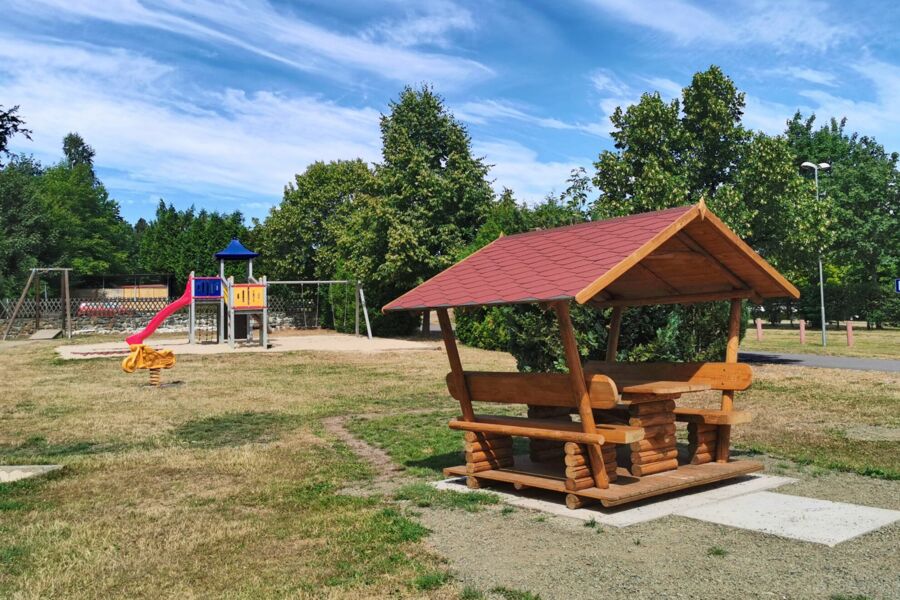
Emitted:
<point x="552" y="264"/>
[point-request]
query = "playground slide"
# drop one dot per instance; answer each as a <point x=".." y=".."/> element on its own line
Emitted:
<point x="161" y="316"/>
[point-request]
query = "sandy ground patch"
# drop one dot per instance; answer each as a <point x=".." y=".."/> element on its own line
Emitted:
<point x="335" y="342"/>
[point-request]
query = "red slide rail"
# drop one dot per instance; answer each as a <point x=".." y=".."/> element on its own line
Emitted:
<point x="185" y="300"/>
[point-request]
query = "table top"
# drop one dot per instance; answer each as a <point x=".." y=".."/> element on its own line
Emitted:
<point x="660" y="388"/>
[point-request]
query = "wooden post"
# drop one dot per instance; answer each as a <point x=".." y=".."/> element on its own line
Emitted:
<point x="19" y="303"/>
<point x="849" y="333"/>
<point x="465" y="401"/>
<point x="802" y="332"/>
<point x="580" y="391"/>
<point x="37" y="302"/>
<point x="758" y="329"/>
<point x="731" y="356"/>
<point x="67" y="300"/>
<point x="426" y="323"/>
<point x="612" y="341"/>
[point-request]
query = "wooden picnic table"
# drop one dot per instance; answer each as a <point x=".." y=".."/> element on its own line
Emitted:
<point x="650" y="404"/>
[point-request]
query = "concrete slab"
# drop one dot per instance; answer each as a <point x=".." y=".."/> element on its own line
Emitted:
<point x="633" y="513"/>
<point x="795" y="517"/>
<point x="17" y="472"/>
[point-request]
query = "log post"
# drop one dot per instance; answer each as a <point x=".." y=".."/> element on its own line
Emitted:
<point x="465" y="401"/>
<point x="731" y="356"/>
<point x="612" y="340"/>
<point x="580" y="391"/>
<point x="802" y="332"/>
<point x="849" y="333"/>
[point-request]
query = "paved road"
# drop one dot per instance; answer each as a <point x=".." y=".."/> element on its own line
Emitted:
<point x="824" y="362"/>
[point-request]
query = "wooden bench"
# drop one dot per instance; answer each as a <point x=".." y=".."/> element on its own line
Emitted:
<point x="541" y="390"/>
<point x="708" y="429"/>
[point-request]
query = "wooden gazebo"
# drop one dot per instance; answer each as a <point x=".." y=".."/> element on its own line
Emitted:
<point x="622" y="448"/>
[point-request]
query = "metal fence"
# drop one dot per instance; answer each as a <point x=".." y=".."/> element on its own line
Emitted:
<point x="302" y="308"/>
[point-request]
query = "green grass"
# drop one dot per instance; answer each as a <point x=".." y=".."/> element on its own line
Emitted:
<point x="470" y="593"/>
<point x="431" y="581"/>
<point x="716" y="551"/>
<point x="511" y="594"/>
<point x="425" y="495"/>
<point x="849" y="597"/>
<point x="883" y="343"/>
<point x="232" y="429"/>
<point x="37" y="450"/>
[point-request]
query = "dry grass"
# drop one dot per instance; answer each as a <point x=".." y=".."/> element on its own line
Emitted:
<point x="228" y="486"/>
<point x="189" y="492"/>
<point x="874" y="343"/>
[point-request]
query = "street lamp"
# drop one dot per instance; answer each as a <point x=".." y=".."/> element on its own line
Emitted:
<point x="815" y="168"/>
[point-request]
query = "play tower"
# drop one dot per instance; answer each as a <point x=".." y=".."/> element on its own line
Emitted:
<point x="239" y="303"/>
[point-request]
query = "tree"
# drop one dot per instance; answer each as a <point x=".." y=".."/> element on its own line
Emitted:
<point x="87" y="232"/>
<point x="77" y="152"/>
<point x="430" y="197"/>
<point x="10" y="124"/>
<point x="23" y="225"/>
<point x="297" y="238"/>
<point x="179" y="242"/>
<point x="858" y="215"/>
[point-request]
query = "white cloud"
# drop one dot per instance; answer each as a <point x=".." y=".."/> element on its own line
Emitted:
<point x="256" y="26"/>
<point x="782" y="25"/>
<point x="518" y="168"/>
<point x="493" y="110"/>
<point x="426" y="24"/>
<point x="219" y="142"/>
<point x="809" y="75"/>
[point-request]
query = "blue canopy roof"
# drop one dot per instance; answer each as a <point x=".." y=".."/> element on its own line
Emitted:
<point x="236" y="251"/>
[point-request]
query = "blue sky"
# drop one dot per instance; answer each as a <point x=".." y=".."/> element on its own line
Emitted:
<point x="219" y="103"/>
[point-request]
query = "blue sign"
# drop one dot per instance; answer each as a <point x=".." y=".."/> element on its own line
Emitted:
<point x="897" y="285"/>
<point x="207" y="288"/>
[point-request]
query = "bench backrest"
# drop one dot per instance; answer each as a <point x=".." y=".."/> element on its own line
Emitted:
<point x="717" y="375"/>
<point x="537" y="389"/>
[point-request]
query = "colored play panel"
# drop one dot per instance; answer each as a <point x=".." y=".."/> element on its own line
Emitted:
<point x="16" y="472"/>
<point x="796" y="517"/>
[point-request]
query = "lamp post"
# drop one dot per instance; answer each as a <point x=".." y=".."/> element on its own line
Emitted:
<point x="815" y="168"/>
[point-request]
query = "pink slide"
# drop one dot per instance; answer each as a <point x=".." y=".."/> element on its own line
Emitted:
<point x="162" y="315"/>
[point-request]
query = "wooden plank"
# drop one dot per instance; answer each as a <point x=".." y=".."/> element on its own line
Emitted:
<point x="635" y="257"/>
<point x="534" y="432"/>
<point x="756" y="259"/>
<point x="613" y="434"/>
<point x="678" y="299"/>
<point x="664" y="388"/>
<point x="465" y="402"/>
<point x="535" y="389"/>
<point x="626" y="489"/>
<point x="580" y="391"/>
<point x="717" y="375"/>
<point x="712" y="417"/>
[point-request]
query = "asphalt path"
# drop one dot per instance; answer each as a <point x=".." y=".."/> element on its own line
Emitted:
<point x="822" y="362"/>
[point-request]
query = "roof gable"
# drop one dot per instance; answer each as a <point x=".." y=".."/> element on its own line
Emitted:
<point x="605" y="262"/>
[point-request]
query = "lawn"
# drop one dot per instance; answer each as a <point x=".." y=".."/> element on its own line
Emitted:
<point x="230" y="486"/>
<point x="874" y="343"/>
